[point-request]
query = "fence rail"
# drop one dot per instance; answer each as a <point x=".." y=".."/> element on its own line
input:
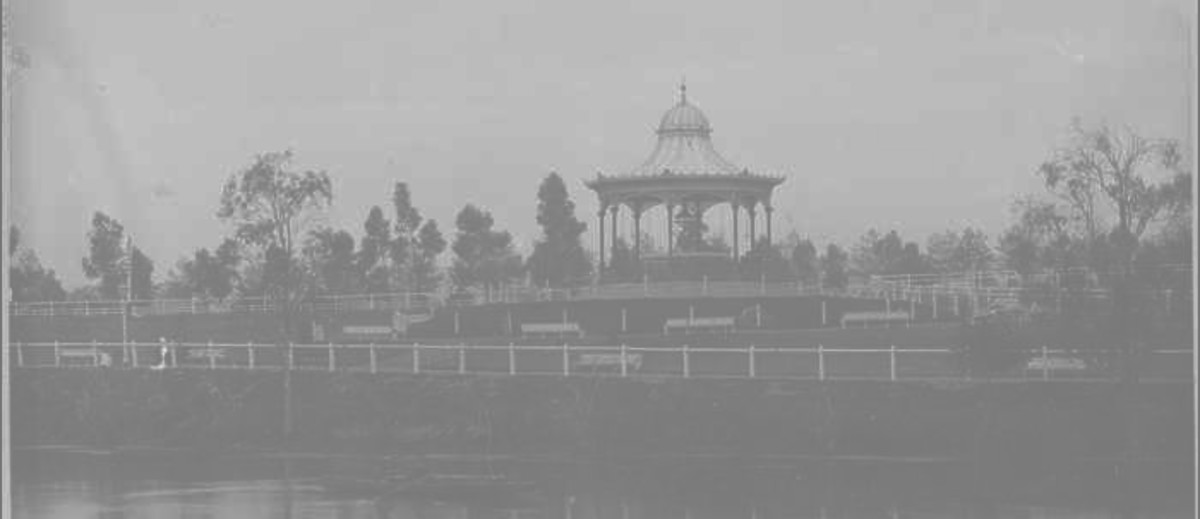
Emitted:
<point x="749" y="362"/>
<point x="424" y="303"/>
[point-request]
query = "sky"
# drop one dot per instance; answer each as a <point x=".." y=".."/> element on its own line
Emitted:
<point x="918" y="115"/>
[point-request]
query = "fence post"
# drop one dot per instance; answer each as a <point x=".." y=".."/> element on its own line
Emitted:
<point x="752" y="374"/>
<point x="704" y="286"/>
<point x="1045" y="363"/>
<point x="762" y="284"/>
<point x="758" y="315"/>
<point x="512" y="358"/>
<point x="95" y="353"/>
<point x="887" y="304"/>
<point x="893" y="363"/>
<point x="624" y="366"/>
<point x="212" y="356"/>
<point x="20" y="362"/>
<point x="132" y="355"/>
<point x="250" y="350"/>
<point x="455" y="322"/>
<point x="57" y="356"/>
<point x="416" y="354"/>
<point x="291" y="364"/>
<point x="332" y="356"/>
<point x="566" y="361"/>
<point x="820" y="362"/>
<point x="824" y="319"/>
<point x="372" y="352"/>
<point x="462" y="359"/>
<point x="933" y="297"/>
<point x="912" y="310"/>
<point x="687" y="365"/>
<point x="624" y="328"/>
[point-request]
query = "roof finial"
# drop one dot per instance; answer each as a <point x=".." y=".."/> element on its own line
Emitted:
<point x="683" y="90"/>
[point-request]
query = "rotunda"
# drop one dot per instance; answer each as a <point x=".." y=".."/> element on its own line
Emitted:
<point x="686" y="176"/>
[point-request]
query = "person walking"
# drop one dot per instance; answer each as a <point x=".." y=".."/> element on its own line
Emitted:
<point x="164" y="350"/>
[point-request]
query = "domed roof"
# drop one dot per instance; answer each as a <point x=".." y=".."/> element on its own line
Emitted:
<point x="684" y="117"/>
<point x="685" y="145"/>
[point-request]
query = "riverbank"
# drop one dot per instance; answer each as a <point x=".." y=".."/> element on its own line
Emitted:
<point x="144" y="481"/>
<point x="404" y="415"/>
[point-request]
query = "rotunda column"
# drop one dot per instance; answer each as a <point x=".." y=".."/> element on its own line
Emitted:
<point x="769" y="211"/>
<point x="751" y="213"/>
<point x="670" y="205"/>
<point x="733" y="205"/>
<point x="613" y="210"/>
<point x="637" y="230"/>
<point x="600" y="218"/>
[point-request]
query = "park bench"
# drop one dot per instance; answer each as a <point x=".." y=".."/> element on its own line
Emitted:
<point x="97" y="358"/>
<point x="206" y="353"/>
<point x="551" y="330"/>
<point x="368" y="332"/>
<point x="703" y="324"/>
<point x="869" y="318"/>
<point x="1056" y="363"/>
<point x="596" y="361"/>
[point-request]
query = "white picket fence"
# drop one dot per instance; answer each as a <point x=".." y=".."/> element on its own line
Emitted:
<point x="749" y="362"/>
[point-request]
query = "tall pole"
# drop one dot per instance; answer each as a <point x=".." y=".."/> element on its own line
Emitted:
<point x="128" y="291"/>
<point x="412" y="261"/>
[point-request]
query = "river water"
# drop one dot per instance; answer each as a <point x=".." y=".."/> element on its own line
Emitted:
<point x="85" y="484"/>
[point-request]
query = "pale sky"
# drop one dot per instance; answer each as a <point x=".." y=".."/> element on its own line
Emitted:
<point x="916" y="115"/>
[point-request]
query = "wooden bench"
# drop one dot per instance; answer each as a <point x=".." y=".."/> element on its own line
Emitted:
<point x="551" y="330"/>
<point x="603" y="360"/>
<point x="868" y="318"/>
<point x="703" y="324"/>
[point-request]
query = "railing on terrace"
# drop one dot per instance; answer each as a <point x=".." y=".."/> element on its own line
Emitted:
<point x="750" y="362"/>
<point x="417" y="302"/>
<point x="979" y="279"/>
<point x="739" y="289"/>
<point x="426" y="302"/>
<point x="1060" y="278"/>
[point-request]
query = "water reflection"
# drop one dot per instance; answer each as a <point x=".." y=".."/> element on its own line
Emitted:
<point x="186" y="486"/>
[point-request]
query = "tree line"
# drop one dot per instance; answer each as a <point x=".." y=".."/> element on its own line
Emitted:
<point x="1112" y="201"/>
<point x="278" y="247"/>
